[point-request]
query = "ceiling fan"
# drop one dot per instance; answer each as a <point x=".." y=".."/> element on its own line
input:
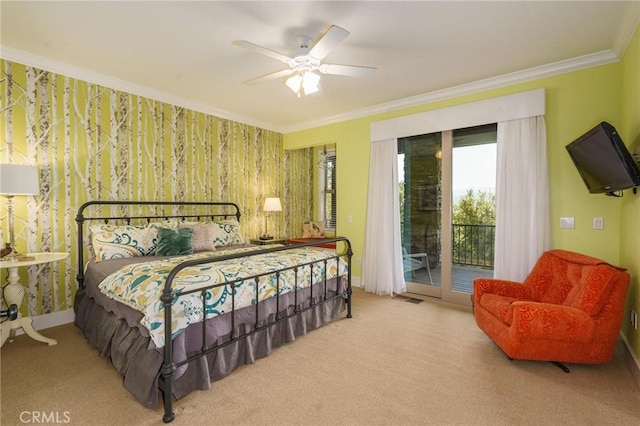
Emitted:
<point x="305" y="62"/>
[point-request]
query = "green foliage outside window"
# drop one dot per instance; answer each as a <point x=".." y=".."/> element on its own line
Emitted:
<point x="475" y="208"/>
<point x="474" y="218"/>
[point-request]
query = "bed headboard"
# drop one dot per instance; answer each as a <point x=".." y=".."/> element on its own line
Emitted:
<point x="139" y="212"/>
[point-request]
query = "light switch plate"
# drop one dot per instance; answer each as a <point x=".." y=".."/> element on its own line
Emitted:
<point x="598" y="223"/>
<point x="566" y="223"/>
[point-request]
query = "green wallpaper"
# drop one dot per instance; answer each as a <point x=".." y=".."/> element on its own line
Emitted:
<point x="90" y="142"/>
<point x="297" y="197"/>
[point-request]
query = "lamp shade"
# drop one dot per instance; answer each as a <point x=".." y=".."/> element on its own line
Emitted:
<point x="294" y="82"/>
<point x="18" y="179"/>
<point x="272" y="205"/>
<point x="307" y="82"/>
<point x="310" y="82"/>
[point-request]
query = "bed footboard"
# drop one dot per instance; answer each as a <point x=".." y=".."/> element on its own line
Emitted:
<point x="169" y="367"/>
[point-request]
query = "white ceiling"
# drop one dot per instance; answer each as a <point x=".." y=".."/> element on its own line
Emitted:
<point x="181" y="52"/>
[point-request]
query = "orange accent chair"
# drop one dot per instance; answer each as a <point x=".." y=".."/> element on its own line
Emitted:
<point x="569" y="309"/>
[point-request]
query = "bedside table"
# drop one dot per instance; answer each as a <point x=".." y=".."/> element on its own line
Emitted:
<point x="274" y="240"/>
<point x="14" y="294"/>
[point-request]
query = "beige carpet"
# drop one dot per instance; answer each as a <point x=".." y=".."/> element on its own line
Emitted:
<point x="394" y="362"/>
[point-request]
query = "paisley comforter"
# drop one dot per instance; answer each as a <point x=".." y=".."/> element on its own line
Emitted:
<point x="140" y="285"/>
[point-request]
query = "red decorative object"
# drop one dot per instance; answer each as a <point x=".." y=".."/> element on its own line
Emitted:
<point x="310" y="240"/>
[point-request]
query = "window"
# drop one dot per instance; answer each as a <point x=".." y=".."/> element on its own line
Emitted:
<point x="328" y="189"/>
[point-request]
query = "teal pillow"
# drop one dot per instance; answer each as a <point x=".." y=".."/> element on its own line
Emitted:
<point x="174" y="242"/>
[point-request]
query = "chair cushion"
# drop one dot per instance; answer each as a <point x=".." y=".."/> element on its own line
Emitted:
<point x="590" y="293"/>
<point x="557" y="274"/>
<point x="551" y="279"/>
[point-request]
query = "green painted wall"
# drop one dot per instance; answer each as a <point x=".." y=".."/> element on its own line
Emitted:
<point x="575" y="102"/>
<point x="352" y="154"/>
<point x="630" y="217"/>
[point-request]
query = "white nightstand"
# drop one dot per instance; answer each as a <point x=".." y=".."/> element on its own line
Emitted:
<point x="14" y="294"/>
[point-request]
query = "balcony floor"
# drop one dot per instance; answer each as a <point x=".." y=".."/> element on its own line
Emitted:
<point x="462" y="277"/>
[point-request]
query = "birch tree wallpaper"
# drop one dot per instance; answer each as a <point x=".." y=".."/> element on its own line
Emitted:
<point x="90" y="142"/>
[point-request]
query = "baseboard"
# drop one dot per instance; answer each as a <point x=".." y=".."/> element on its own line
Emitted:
<point x="355" y="281"/>
<point x="54" y="319"/>
<point x="632" y="362"/>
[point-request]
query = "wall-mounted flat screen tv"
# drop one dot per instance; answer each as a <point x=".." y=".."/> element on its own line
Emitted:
<point x="603" y="160"/>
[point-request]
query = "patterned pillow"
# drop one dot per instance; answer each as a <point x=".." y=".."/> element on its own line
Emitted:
<point x="312" y="230"/>
<point x="174" y="242"/>
<point x="120" y="241"/>
<point x="168" y="223"/>
<point x="227" y="233"/>
<point x="203" y="235"/>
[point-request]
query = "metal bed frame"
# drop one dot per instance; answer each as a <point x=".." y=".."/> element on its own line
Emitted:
<point x="218" y="210"/>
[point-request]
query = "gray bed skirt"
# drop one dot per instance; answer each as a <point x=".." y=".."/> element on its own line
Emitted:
<point x="110" y="328"/>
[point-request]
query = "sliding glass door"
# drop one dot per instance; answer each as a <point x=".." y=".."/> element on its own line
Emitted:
<point x="420" y="180"/>
<point x="473" y="212"/>
<point x="447" y="210"/>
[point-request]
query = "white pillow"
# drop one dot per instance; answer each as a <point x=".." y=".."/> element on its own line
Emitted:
<point x="227" y="233"/>
<point x="120" y="241"/>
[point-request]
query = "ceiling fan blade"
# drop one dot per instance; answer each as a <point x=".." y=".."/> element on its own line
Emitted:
<point x="271" y="76"/>
<point x="329" y="41"/>
<point x="348" y="70"/>
<point x="262" y="50"/>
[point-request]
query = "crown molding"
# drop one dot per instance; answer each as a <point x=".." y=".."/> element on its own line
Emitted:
<point x="627" y="28"/>
<point x="581" y="62"/>
<point x="52" y="65"/>
<point x="555" y="68"/>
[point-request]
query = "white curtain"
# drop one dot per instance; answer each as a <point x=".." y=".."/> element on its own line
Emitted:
<point x="523" y="227"/>
<point x="382" y="271"/>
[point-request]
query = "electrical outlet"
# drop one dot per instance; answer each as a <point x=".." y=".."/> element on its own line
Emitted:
<point x="598" y="223"/>
<point x="359" y="261"/>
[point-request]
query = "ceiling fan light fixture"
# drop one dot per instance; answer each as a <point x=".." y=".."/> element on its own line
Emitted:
<point x="294" y="83"/>
<point x="310" y="82"/>
<point x="306" y="82"/>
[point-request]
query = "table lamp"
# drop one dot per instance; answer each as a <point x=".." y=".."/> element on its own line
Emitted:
<point x="16" y="179"/>
<point x="270" y="205"/>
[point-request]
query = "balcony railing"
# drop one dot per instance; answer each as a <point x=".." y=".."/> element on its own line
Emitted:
<point x="473" y="244"/>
